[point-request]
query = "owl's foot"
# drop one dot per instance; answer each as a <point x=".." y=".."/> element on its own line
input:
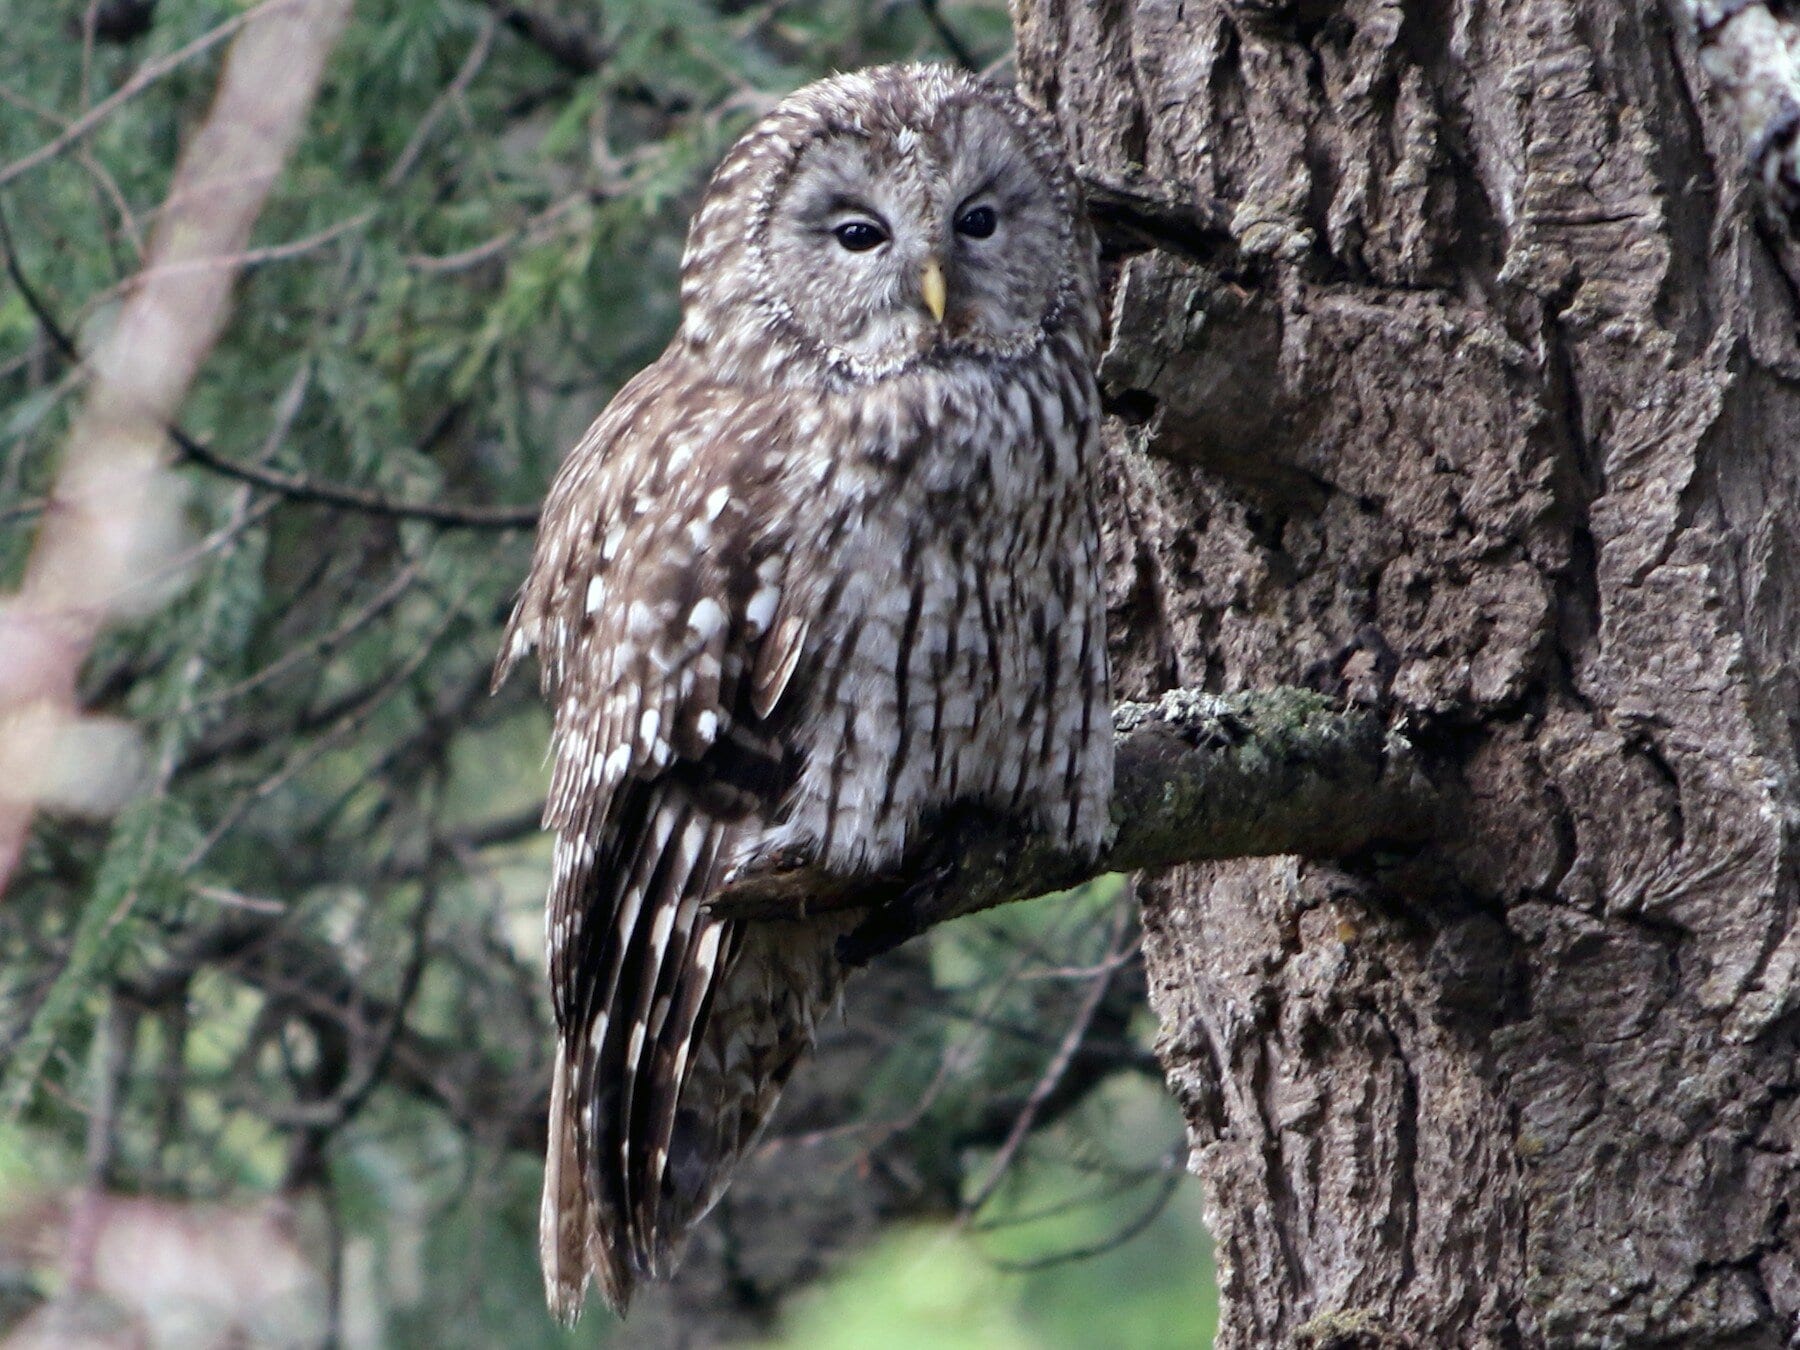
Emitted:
<point x="770" y="877"/>
<point x="771" y="855"/>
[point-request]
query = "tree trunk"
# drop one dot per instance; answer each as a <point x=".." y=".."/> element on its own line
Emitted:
<point x="1457" y="370"/>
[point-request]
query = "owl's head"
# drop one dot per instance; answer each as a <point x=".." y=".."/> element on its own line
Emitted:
<point x="882" y="219"/>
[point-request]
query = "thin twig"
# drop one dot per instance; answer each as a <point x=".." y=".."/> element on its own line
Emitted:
<point x="531" y="230"/>
<point x="1118" y="961"/>
<point x="323" y="644"/>
<point x="1114" y="1240"/>
<point x="146" y="75"/>
<point x="292" y="486"/>
<point x="458" y="86"/>
<point x="349" y="1097"/>
<point x="223" y="895"/>
<point x="299" y="488"/>
<point x="351" y="717"/>
<point x="1052" y="1075"/>
<point x="1125" y="1180"/>
<point x="953" y="43"/>
<point x="96" y="170"/>
<point x="268" y="253"/>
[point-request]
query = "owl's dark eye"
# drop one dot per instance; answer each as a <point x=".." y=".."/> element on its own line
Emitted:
<point x="977" y="222"/>
<point x="859" y="236"/>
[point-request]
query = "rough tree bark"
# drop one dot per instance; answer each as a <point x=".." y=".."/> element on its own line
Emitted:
<point x="1463" y="339"/>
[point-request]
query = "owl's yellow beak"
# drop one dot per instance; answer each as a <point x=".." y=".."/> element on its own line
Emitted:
<point x="931" y="286"/>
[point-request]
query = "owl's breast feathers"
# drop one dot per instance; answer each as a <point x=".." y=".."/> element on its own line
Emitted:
<point x="767" y="618"/>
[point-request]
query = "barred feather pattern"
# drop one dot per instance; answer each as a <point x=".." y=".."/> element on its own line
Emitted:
<point x="792" y="594"/>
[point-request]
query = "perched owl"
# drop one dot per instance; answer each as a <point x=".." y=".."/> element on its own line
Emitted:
<point x="824" y="573"/>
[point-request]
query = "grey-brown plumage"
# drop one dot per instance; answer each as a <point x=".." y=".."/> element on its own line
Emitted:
<point x="822" y="573"/>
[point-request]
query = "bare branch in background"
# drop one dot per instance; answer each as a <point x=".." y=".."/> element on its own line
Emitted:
<point x="1053" y="1074"/>
<point x="306" y="977"/>
<point x="953" y="43"/>
<point x="454" y="92"/>
<point x="300" y="488"/>
<point x="114" y="510"/>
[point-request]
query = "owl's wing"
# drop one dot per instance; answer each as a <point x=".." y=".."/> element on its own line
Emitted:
<point x="668" y="639"/>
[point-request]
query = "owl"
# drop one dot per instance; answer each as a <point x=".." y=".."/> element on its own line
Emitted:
<point x="822" y="576"/>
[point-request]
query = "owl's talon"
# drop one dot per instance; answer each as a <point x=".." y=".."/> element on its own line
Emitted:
<point x="771" y="861"/>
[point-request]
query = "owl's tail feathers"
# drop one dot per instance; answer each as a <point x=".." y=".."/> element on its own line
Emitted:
<point x="569" y="1245"/>
<point x="759" y="1024"/>
<point x="733" y="1018"/>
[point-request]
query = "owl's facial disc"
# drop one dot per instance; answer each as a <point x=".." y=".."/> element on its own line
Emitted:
<point x="888" y="245"/>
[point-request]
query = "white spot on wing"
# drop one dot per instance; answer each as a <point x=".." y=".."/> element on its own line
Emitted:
<point x="761" y="610"/>
<point x="707" y="618"/>
<point x="659" y="933"/>
<point x="707" y="950"/>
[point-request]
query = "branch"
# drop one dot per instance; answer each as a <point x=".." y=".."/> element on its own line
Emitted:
<point x="1054" y="1077"/>
<point x="299" y="488"/>
<point x="300" y="974"/>
<point x="1199" y="777"/>
<point x="145" y="76"/>
<point x="953" y="43"/>
<point x="293" y="486"/>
